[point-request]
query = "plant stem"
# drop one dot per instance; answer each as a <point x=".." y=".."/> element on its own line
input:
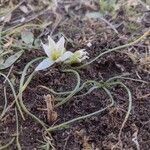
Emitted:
<point x="116" y="48"/>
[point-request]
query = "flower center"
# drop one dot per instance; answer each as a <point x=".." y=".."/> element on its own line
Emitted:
<point x="55" y="55"/>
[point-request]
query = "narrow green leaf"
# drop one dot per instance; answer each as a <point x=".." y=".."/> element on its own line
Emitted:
<point x="10" y="60"/>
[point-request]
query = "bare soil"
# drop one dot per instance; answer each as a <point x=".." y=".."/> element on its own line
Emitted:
<point x="98" y="132"/>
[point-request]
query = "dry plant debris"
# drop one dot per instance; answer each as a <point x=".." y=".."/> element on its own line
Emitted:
<point x="51" y="114"/>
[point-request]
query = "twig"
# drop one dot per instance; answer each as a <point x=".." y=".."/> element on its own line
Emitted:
<point x="144" y="96"/>
<point x="51" y="114"/>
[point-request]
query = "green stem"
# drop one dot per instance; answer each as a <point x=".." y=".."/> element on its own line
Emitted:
<point x="115" y="49"/>
<point x="74" y="91"/>
<point x="126" y="78"/>
<point x="23" y="86"/>
<point x="5" y="105"/>
<point x="129" y="106"/>
<point x="60" y="126"/>
<point x="17" y="131"/>
<point x="14" y="93"/>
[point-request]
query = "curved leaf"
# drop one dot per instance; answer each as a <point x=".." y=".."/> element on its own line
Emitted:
<point x="10" y="60"/>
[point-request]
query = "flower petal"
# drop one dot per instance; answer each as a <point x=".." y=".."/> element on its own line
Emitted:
<point x="44" y="64"/>
<point x="65" y="56"/>
<point x="84" y="57"/>
<point x="51" y="43"/>
<point x="82" y="52"/>
<point x="61" y="44"/>
<point x="46" y="49"/>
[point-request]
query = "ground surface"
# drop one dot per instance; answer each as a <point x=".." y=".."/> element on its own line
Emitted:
<point x="99" y="132"/>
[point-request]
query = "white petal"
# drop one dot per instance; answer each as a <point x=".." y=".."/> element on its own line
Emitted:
<point x="61" y="44"/>
<point x="84" y="57"/>
<point x="44" y="64"/>
<point x="46" y="49"/>
<point x="81" y="53"/>
<point x="51" y="43"/>
<point x="65" y="56"/>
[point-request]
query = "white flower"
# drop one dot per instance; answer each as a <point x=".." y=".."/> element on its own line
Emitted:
<point x="56" y="52"/>
<point x="77" y="57"/>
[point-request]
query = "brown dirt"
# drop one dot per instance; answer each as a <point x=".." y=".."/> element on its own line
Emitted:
<point x="99" y="132"/>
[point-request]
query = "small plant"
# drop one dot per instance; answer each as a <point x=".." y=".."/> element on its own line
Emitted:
<point x="56" y="52"/>
<point x="107" y="6"/>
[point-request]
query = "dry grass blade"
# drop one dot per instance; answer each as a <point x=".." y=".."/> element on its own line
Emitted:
<point x="51" y="114"/>
<point x="144" y="96"/>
